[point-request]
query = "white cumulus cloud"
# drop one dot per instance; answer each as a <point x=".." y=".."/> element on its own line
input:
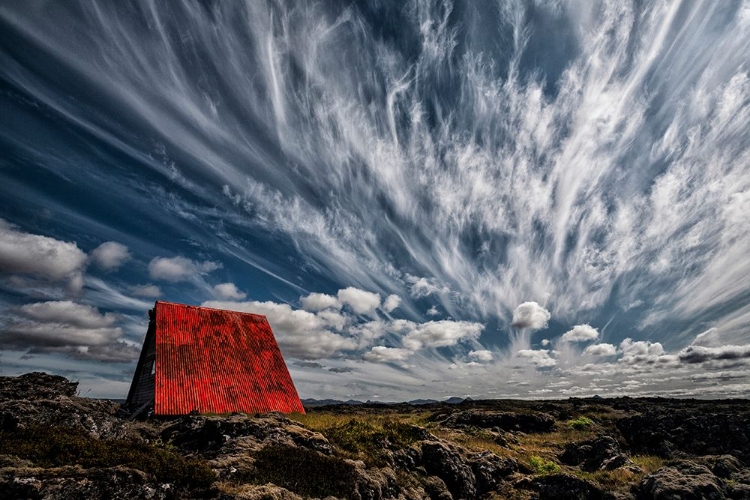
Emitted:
<point x="581" y="333"/>
<point x="228" y="291"/>
<point x="441" y="334"/>
<point x="177" y="269"/>
<point x="540" y="357"/>
<point x="530" y="315"/>
<point x="110" y="255"/>
<point x="381" y="354"/>
<point x="391" y="302"/>
<point x="641" y="351"/>
<point x="40" y="256"/>
<point x="361" y="301"/>
<point x="68" y="312"/>
<point x="319" y="301"/>
<point x="423" y="287"/>
<point x="482" y="355"/>
<point x="601" y="350"/>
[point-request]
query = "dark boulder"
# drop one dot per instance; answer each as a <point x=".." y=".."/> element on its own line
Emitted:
<point x="602" y="453"/>
<point x="565" y="487"/>
<point x="209" y="434"/>
<point x="722" y="466"/>
<point x="490" y="470"/>
<point x="442" y="461"/>
<point x="116" y="483"/>
<point x="36" y="386"/>
<point x="664" y="431"/>
<point x="506" y="421"/>
<point x="738" y="485"/>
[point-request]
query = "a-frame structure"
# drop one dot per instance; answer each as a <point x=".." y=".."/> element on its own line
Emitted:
<point x="210" y="361"/>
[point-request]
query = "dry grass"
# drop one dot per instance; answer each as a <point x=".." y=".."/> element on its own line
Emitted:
<point x="649" y="463"/>
<point x="321" y="420"/>
<point x="537" y="451"/>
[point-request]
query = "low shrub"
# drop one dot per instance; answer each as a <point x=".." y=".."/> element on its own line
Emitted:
<point x="543" y="466"/>
<point x="581" y="423"/>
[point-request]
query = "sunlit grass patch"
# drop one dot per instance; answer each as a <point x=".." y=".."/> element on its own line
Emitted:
<point x="364" y="436"/>
<point x="616" y="479"/>
<point x="580" y="423"/>
<point x="649" y="463"/>
<point x="543" y="466"/>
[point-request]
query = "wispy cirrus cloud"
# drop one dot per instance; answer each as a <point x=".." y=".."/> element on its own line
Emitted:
<point x="596" y="172"/>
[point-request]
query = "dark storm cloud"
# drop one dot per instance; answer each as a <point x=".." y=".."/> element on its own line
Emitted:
<point x="698" y="354"/>
<point x="341" y="369"/>
<point x="66" y="327"/>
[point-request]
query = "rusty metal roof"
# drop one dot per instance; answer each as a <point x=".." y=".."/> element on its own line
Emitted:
<point x="216" y="361"/>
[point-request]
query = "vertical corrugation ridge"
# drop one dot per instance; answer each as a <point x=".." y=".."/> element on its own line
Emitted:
<point x="216" y="361"/>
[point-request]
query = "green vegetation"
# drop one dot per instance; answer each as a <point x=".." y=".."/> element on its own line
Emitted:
<point x="359" y="436"/>
<point x="581" y="423"/>
<point x="543" y="466"/>
<point x="365" y="437"/>
<point x="51" y="446"/>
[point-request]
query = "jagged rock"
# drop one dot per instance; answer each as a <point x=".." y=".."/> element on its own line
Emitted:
<point x="407" y="458"/>
<point x="738" y="485"/>
<point x="742" y="476"/>
<point x="206" y="434"/>
<point x="602" y="453"/>
<point x="442" y="461"/>
<point x="722" y="466"/>
<point x="506" y="421"/>
<point x="490" y="470"/>
<point x="64" y="483"/>
<point x="39" y="399"/>
<point x="35" y="386"/>
<point x="436" y="488"/>
<point x="565" y="487"/>
<point x="683" y="481"/>
<point x="665" y="431"/>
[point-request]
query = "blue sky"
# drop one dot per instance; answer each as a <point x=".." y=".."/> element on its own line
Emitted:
<point x="500" y="199"/>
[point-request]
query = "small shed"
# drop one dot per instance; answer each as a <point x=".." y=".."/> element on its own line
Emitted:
<point x="210" y="361"/>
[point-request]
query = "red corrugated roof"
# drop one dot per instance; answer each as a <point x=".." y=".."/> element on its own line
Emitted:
<point x="216" y="361"/>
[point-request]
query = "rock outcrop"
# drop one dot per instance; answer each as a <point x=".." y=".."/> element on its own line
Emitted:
<point x="602" y="453"/>
<point x="665" y="432"/>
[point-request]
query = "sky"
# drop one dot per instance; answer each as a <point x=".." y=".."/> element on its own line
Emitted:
<point x="516" y="199"/>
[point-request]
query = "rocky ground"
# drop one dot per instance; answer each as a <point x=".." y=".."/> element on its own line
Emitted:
<point x="55" y="445"/>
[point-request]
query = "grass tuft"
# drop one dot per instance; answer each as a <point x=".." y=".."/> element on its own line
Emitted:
<point x="543" y="466"/>
<point x="581" y="423"/>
